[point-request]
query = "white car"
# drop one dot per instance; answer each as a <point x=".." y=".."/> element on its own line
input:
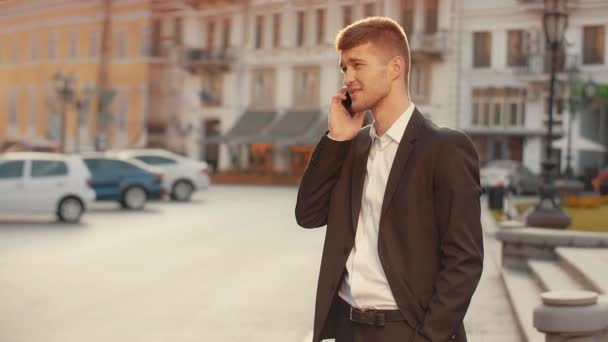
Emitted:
<point x="35" y="182"/>
<point x="182" y="176"/>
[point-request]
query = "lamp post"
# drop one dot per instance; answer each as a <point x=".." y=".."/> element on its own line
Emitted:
<point x="548" y="213"/>
<point x="64" y="86"/>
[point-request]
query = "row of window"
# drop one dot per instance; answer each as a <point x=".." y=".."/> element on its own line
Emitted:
<point x="306" y="91"/>
<point x="120" y="107"/>
<point x="91" y="37"/>
<point x="498" y="113"/>
<point x="40" y="168"/>
<point x="519" y="47"/>
<point x="320" y="17"/>
<point x="210" y="27"/>
<point x="498" y="107"/>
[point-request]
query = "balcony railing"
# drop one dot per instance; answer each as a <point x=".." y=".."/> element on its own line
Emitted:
<point x="429" y="43"/>
<point x="540" y="64"/>
<point x="205" y="58"/>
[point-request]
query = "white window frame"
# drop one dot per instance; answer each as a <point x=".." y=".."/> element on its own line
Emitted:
<point x="497" y="100"/>
<point x="73" y="44"/>
<point x="52" y="45"/>
<point x="301" y="30"/>
<point x="373" y="5"/>
<point x="144" y="36"/>
<point x="34" y="44"/>
<point x="143" y="115"/>
<point x="420" y="83"/>
<point x="259" y="98"/>
<point x="15" y="52"/>
<point x="94" y="42"/>
<point x="122" y="119"/>
<point x="476" y="101"/>
<point x="12" y="111"/>
<point x="313" y="100"/>
<point x="320" y="37"/>
<point x="121" y="45"/>
<point x="32" y="111"/>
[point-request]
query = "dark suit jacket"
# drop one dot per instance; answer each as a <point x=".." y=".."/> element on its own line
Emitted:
<point x="430" y="239"/>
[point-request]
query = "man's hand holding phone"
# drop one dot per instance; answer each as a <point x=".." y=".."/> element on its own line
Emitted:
<point x="342" y="125"/>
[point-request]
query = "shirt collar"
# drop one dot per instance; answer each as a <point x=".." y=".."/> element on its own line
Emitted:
<point x="397" y="130"/>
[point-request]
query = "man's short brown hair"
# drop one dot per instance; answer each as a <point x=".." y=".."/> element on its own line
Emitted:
<point x="383" y="32"/>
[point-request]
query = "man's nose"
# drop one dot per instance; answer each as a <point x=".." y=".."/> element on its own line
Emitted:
<point x="348" y="78"/>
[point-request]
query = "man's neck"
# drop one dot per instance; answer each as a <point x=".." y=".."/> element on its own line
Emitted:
<point x="389" y="111"/>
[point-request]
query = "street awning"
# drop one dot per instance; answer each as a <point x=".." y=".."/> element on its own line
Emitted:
<point x="314" y="134"/>
<point x="252" y="122"/>
<point x="291" y="125"/>
<point x="579" y="143"/>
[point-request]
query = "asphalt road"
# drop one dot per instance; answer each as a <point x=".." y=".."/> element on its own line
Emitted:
<point x="230" y="266"/>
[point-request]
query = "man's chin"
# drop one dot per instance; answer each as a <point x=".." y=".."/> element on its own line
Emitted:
<point x="358" y="109"/>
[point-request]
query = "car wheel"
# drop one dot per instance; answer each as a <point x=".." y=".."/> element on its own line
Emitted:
<point x="70" y="210"/>
<point x="182" y="191"/>
<point x="134" y="198"/>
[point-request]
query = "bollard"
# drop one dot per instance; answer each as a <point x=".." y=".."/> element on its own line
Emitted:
<point x="572" y="316"/>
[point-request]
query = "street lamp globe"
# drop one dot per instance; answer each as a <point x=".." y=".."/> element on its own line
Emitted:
<point x="555" y="21"/>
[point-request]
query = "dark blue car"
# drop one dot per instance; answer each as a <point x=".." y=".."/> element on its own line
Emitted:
<point x="129" y="183"/>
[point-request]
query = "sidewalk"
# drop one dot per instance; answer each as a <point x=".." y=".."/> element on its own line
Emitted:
<point x="490" y="317"/>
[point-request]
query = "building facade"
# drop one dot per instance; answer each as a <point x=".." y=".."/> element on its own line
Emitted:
<point x="39" y="39"/>
<point x="278" y="58"/>
<point x="504" y="78"/>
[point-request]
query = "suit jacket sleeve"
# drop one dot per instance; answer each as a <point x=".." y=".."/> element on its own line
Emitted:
<point x="318" y="181"/>
<point x="457" y="205"/>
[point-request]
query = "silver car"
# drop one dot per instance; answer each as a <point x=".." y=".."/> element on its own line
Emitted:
<point x="510" y="174"/>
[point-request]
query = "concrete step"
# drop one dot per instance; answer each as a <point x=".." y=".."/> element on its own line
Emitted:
<point x="552" y="276"/>
<point x="524" y="295"/>
<point x="588" y="265"/>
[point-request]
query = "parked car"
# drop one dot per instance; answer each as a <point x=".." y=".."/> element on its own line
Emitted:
<point x="182" y="176"/>
<point x="128" y="182"/>
<point x="510" y="174"/>
<point x="37" y="182"/>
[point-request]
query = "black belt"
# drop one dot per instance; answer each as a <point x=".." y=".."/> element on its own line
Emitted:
<point x="369" y="316"/>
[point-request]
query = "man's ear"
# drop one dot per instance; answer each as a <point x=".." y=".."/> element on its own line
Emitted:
<point x="397" y="66"/>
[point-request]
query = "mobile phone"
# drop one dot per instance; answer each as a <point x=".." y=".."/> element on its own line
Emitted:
<point x="347" y="103"/>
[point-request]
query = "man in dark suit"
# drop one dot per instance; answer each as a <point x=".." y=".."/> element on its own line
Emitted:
<point x="403" y="250"/>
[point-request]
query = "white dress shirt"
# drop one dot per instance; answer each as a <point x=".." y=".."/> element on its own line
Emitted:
<point x="365" y="285"/>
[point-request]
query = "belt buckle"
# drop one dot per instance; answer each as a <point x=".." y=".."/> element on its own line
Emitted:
<point x="370" y="317"/>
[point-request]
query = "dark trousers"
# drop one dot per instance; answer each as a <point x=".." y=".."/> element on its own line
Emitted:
<point x="348" y="331"/>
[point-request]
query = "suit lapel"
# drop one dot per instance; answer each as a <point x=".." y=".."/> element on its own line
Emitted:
<point x="403" y="152"/>
<point x="362" y="147"/>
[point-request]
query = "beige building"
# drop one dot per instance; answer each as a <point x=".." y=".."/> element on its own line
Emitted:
<point x="39" y="39"/>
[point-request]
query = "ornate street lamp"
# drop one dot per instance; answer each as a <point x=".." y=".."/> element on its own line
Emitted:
<point x="548" y="213"/>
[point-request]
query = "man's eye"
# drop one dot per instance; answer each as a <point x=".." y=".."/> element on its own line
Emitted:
<point x="358" y="65"/>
